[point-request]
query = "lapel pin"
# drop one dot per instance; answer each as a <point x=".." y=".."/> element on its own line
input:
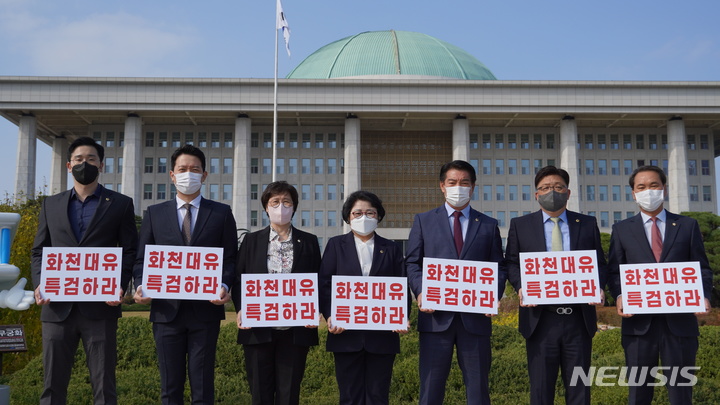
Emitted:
<point x="382" y="251"/>
<point x="577" y="220"/>
<point x="298" y="240"/>
<point x="476" y="220"/>
<point x="107" y="198"/>
<point x="674" y="224"/>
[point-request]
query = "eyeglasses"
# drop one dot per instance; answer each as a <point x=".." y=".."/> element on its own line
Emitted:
<point x="558" y="188"/>
<point x="368" y="213"/>
<point x="276" y="203"/>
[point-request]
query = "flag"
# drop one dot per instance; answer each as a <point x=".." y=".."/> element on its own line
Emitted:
<point x="282" y="24"/>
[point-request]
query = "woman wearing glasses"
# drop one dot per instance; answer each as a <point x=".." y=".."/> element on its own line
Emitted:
<point x="363" y="359"/>
<point x="275" y="357"/>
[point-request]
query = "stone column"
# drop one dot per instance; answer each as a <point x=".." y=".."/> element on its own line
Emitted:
<point x="677" y="166"/>
<point x="58" y="165"/>
<point x="241" y="172"/>
<point x="26" y="151"/>
<point x="353" y="173"/>
<point x="132" y="161"/>
<point x="461" y="138"/>
<point x="569" y="158"/>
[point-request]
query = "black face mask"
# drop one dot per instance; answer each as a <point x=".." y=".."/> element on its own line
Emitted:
<point x="85" y="173"/>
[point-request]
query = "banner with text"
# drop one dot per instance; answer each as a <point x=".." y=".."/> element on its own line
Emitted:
<point x="562" y="277"/>
<point x="81" y="274"/>
<point x="460" y="285"/>
<point x="279" y="300"/>
<point x="182" y="272"/>
<point x="369" y="303"/>
<point x="662" y="288"/>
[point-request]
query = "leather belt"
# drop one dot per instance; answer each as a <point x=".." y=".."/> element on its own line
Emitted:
<point x="561" y="310"/>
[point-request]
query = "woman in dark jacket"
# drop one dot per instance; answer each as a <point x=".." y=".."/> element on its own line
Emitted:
<point x="363" y="358"/>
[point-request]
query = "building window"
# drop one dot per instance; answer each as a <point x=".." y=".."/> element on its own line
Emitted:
<point x="254" y="165"/>
<point x="487" y="193"/>
<point x="615" y="167"/>
<point x="601" y="142"/>
<point x="588" y="141"/>
<point x="537" y="165"/>
<point x="332" y="192"/>
<point x="694" y="193"/>
<point x="190" y="139"/>
<point x="147" y="191"/>
<point x="590" y="193"/>
<point x="318" y="192"/>
<point x="499" y="141"/>
<point x="627" y="167"/>
<point x="332" y="141"/>
<point x="305" y="166"/>
<point x="473" y="141"/>
<point x="293" y="142"/>
<point x="305" y="218"/>
<point x="512" y="166"/>
<point x="691" y="142"/>
<point x="215" y="140"/>
<point x="525" y="166"/>
<point x="332" y="218"/>
<point x="280" y="141"/>
<point x="500" y="218"/>
<point x="148" y="165"/>
<point x="318" y="218"/>
<point x="707" y="194"/>
<point x="162" y="139"/>
<point x="524" y="141"/>
<point x="162" y="165"/>
<point x="109" y="165"/>
<point x="318" y="166"/>
<point x="550" y="141"/>
<point x="161" y="188"/>
<point x="254" y="140"/>
<point x="267" y="140"/>
<point x="319" y="141"/>
<point x="214" y="190"/>
<point x="617" y="217"/>
<point x="512" y="193"/>
<point x="280" y="166"/>
<point x="692" y="167"/>
<point x="500" y="193"/>
<point x="486" y="141"/>
<point x="214" y="165"/>
<point x="603" y="191"/>
<point x="652" y="140"/>
<point x="616" y="193"/>
<point x="202" y="140"/>
<point x="512" y="141"/>
<point x="487" y="166"/>
<point x="228" y="143"/>
<point x="537" y="141"/>
<point x="306" y="141"/>
<point x="589" y="167"/>
<point x="499" y="166"/>
<point x="704" y="144"/>
<point x="705" y="164"/>
<point x="305" y="192"/>
<point x="332" y="166"/>
<point x="602" y="167"/>
<point x="110" y="140"/>
<point x="614" y="142"/>
<point x="292" y="166"/>
<point x="628" y="193"/>
<point x="627" y="141"/>
<point x="640" y="141"/>
<point x="267" y="166"/>
<point x="253" y="191"/>
<point x="175" y="140"/>
<point x="149" y="139"/>
<point x="227" y="166"/>
<point x="526" y="193"/>
<point x="604" y="219"/>
<point x="253" y="218"/>
<point x="227" y="192"/>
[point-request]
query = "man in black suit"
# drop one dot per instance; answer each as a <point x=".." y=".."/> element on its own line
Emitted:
<point x="88" y="215"/>
<point x="186" y="331"/>
<point x="454" y="231"/>
<point x="657" y="236"/>
<point x="556" y="337"/>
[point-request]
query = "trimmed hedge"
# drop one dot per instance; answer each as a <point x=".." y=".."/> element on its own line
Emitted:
<point x="138" y="377"/>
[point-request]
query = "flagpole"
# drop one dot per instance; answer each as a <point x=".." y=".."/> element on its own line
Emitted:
<point x="275" y="92"/>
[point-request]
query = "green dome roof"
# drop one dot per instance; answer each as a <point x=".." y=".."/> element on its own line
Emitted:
<point x="389" y="54"/>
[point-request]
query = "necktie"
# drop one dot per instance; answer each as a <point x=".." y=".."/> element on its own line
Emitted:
<point x="556" y="240"/>
<point x="186" y="225"/>
<point x="457" y="232"/>
<point x="656" y="239"/>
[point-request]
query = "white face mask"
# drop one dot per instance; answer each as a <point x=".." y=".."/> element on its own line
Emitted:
<point x="280" y="215"/>
<point x="650" y="200"/>
<point x="188" y="182"/>
<point x="364" y="226"/>
<point x="457" y="196"/>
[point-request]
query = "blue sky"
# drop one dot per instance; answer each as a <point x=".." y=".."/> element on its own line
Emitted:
<point x="517" y="40"/>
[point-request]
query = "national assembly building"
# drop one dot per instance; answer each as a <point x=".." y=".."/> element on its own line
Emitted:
<point x="379" y="111"/>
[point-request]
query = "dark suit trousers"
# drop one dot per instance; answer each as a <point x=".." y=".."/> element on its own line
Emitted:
<point x="673" y="351"/>
<point x="363" y="378"/>
<point x="559" y="342"/>
<point x="473" y="353"/>
<point x="187" y="344"/>
<point x="275" y="369"/>
<point x="60" y="342"/>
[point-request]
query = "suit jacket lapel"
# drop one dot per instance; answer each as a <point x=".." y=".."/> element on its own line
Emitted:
<point x="443" y="228"/>
<point x="170" y="216"/>
<point x="378" y="255"/>
<point x="62" y="215"/>
<point x="671" y="231"/>
<point x="349" y="252"/>
<point x="537" y="230"/>
<point x="472" y="230"/>
<point x="203" y="215"/>
<point x="297" y="241"/>
<point x="637" y="230"/>
<point x="574" y="226"/>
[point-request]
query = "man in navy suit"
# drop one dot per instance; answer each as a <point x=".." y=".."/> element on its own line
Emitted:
<point x="88" y="215"/>
<point x="454" y="231"/>
<point x="556" y="337"/>
<point x="186" y="331"/>
<point x="657" y="236"/>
